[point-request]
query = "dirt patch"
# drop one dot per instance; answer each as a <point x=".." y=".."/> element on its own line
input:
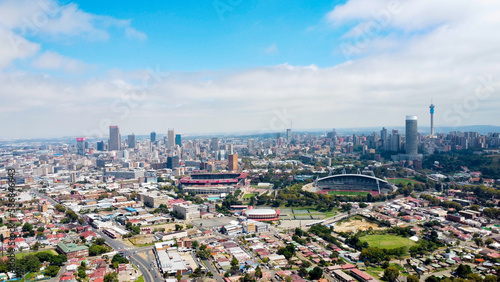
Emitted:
<point x="356" y="225"/>
<point x="142" y="239"/>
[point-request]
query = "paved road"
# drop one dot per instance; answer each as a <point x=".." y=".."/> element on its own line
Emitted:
<point x="150" y="274"/>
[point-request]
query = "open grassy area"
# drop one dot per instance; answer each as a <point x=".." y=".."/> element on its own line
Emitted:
<point x="247" y="196"/>
<point x="402" y="180"/>
<point x="347" y="193"/>
<point x="21" y="255"/>
<point x="140" y="279"/>
<point x="387" y="241"/>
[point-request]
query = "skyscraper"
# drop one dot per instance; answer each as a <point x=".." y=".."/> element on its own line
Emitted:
<point x="173" y="162"/>
<point x="178" y="140"/>
<point x="131" y="141"/>
<point x="411" y="145"/>
<point x="171" y="138"/>
<point x="114" y="138"/>
<point x="289" y="135"/>
<point x="233" y="162"/>
<point x="100" y="146"/>
<point x="431" y="107"/>
<point x="80" y="146"/>
<point x="152" y="136"/>
<point x="214" y="145"/>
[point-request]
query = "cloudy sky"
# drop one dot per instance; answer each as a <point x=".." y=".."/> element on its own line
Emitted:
<point x="72" y="68"/>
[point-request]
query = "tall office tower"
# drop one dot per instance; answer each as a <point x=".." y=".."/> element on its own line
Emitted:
<point x="173" y="162"/>
<point x="383" y="134"/>
<point x="214" y="145"/>
<point x="178" y="140"/>
<point x="278" y="135"/>
<point x="100" y="146"/>
<point x="233" y="162"/>
<point x="251" y="145"/>
<point x="114" y="138"/>
<point x="289" y="135"/>
<point x="229" y="149"/>
<point x="395" y="144"/>
<point x="131" y="141"/>
<point x="80" y="146"/>
<point x="431" y="107"/>
<point x="152" y="137"/>
<point x="332" y="134"/>
<point x="411" y="145"/>
<point x="171" y="138"/>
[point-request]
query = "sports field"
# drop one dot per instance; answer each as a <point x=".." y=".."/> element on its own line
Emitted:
<point x="347" y="193"/>
<point x="402" y="180"/>
<point x="247" y="196"/>
<point x="387" y="241"/>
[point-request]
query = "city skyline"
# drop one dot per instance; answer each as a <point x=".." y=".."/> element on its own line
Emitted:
<point x="371" y="64"/>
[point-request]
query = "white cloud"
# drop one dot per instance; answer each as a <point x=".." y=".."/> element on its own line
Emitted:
<point x="14" y="47"/>
<point x="419" y="54"/>
<point x="53" y="61"/>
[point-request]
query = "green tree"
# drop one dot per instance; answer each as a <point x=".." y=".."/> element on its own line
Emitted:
<point x="463" y="270"/>
<point x="412" y="278"/>
<point x="27" y="227"/>
<point x="316" y="273"/>
<point x="391" y="273"/>
<point x="235" y="265"/>
<point x="258" y="272"/>
<point x="51" y="270"/>
<point x="111" y="277"/>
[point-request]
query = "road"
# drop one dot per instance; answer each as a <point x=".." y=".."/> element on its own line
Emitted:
<point x="150" y="274"/>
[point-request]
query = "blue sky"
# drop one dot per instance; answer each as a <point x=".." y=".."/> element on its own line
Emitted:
<point x="72" y="68"/>
<point x="192" y="36"/>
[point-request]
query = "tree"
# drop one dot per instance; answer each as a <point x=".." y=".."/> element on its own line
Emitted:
<point x="463" y="270"/>
<point x="111" y="277"/>
<point x="60" y="208"/>
<point x="51" y="270"/>
<point x="195" y="244"/>
<point x="27" y="227"/>
<point x="391" y="273"/>
<point x="478" y="241"/>
<point x="412" y="278"/>
<point x="235" y="265"/>
<point x="258" y="272"/>
<point x="316" y="273"/>
<point x="178" y="227"/>
<point x="303" y="272"/>
<point x="490" y="278"/>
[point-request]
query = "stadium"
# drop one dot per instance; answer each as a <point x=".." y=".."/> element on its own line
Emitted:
<point x="354" y="183"/>
<point x="262" y="214"/>
<point x="212" y="183"/>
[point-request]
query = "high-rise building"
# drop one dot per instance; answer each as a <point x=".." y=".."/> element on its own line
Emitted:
<point x="171" y="138"/>
<point x="152" y="137"/>
<point x="100" y="146"/>
<point x="251" y="145"/>
<point x="114" y="138"/>
<point x="214" y="145"/>
<point x="178" y="140"/>
<point x="131" y="141"/>
<point x="80" y="146"/>
<point x="233" y="162"/>
<point x="411" y="145"/>
<point x="431" y="107"/>
<point x="332" y="134"/>
<point x="289" y="135"/>
<point x="173" y="162"/>
<point x="383" y="134"/>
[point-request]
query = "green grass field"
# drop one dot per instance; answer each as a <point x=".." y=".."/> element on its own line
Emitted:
<point x="247" y="196"/>
<point x="402" y="180"/>
<point x="21" y="255"/>
<point x="347" y="193"/>
<point x="386" y="241"/>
